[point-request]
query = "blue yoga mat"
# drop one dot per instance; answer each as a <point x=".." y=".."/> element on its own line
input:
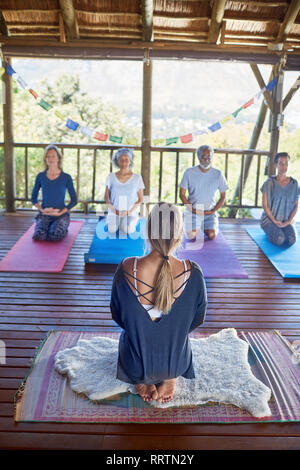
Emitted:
<point x="286" y="259"/>
<point x="110" y="248"/>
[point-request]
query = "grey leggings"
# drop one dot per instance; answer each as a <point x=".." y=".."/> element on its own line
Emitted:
<point x="51" y="228"/>
<point x="278" y="235"/>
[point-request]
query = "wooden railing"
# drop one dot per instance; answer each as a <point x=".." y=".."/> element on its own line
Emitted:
<point x="90" y="164"/>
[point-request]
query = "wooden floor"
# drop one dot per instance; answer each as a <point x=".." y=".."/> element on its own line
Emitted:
<point x="78" y="299"/>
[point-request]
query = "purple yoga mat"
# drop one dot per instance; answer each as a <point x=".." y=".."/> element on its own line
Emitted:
<point x="28" y="255"/>
<point x="215" y="258"/>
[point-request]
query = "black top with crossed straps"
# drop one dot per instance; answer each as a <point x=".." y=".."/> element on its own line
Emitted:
<point x="150" y="351"/>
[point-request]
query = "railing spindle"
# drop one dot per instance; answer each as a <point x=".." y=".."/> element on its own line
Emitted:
<point x="26" y="172"/>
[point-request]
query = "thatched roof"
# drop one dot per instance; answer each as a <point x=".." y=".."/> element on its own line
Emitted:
<point x="265" y="27"/>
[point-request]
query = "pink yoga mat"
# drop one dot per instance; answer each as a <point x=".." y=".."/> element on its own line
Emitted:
<point x="215" y="257"/>
<point x="28" y="255"/>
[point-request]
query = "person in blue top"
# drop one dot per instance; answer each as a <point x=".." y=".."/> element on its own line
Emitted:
<point x="53" y="218"/>
<point x="280" y="203"/>
<point x="158" y="300"/>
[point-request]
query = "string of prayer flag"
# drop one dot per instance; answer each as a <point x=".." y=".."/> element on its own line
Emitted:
<point x="103" y="137"/>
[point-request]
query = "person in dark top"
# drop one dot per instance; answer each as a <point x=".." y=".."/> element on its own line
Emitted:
<point x="280" y="203"/>
<point x="53" y="218"/>
<point x="158" y="300"/>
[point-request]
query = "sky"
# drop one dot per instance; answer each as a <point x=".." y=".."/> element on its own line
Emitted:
<point x="180" y="88"/>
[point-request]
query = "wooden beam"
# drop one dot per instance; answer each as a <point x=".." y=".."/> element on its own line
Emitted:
<point x="262" y="84"/>
<point x="9" y="162"/>
<point x="3" y="26"/>
<point x="217" y="16"/>
<point x="263" y="3"/>
<point x="69" y="17"/>
<point x="291" y="93"/>
<point x="155" y="45"/>
<point x="147" y="119"/>
<point x="147" y="14"/>
<point x="288" y="21"/>
<point x="162" y="15"/>
<point x="223" y="32"/>
<point x="274" y="118"/>
<point x="61" y="28"/>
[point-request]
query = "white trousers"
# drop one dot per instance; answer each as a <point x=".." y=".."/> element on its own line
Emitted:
<point x="126" y="224"/>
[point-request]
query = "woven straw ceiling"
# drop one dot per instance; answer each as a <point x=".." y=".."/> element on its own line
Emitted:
<point x="255" y="23"/>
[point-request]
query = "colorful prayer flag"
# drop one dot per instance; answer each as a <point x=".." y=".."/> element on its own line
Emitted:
<point x="226" y="119"/>
<point x="21" y="82"/>
<point x="249" y="103"/>
<point x="271" y="85"/>
<point x="87" y="131"/>
<point x="34" y="94"/>
<point x="215" y="127"/>
<point x="44" y="104"/>
<point x="237" y="111"/>
<point x="10" y="70"/>
<point x="114" y="138"/>
<point x="59" y="115"/>
<point x="172" y="140"/>
<point x="201" y="131"/>
<point x="101" y="137"/>
<point x="186" y="138"/>
<point x="72" y="124"/>
<point x="261" y="92"/>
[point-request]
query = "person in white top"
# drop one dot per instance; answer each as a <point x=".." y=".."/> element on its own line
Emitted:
<point x="202" y="183"/>
<point x="123" y="194"/>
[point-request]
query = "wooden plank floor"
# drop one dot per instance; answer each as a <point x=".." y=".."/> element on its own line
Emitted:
<point x="78" y="299"/>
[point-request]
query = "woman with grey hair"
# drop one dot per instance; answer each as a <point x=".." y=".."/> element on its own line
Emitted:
<point x="280" y="203"/>
<point x="123" y="194"/>
<point x="53" y="218"/>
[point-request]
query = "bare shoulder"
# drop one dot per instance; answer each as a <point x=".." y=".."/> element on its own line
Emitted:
<point x="127" y="263"/>
<point x="178" y="266"/>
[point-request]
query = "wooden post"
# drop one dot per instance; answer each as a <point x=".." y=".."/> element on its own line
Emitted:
<point x="268" y="103"/>
<point x="252" y="145"/>
<point x="9" y="163"/>
<point x="275" y="120"/>
<point x="146" y="132"/>
<point x="216" y="20"/>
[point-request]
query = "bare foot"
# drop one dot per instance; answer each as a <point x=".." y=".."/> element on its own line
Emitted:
<point x="147" y="392"/>
<point x="192" y="234"/>
<point x="166" y="391"/>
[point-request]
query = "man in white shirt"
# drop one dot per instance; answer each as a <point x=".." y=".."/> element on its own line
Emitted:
<point x="202" y="183"/>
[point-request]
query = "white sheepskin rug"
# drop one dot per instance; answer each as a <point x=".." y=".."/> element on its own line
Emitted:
<point x="221" y="367"/>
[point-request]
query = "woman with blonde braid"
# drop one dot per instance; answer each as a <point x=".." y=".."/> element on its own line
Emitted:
<point x="158" y="300"/>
